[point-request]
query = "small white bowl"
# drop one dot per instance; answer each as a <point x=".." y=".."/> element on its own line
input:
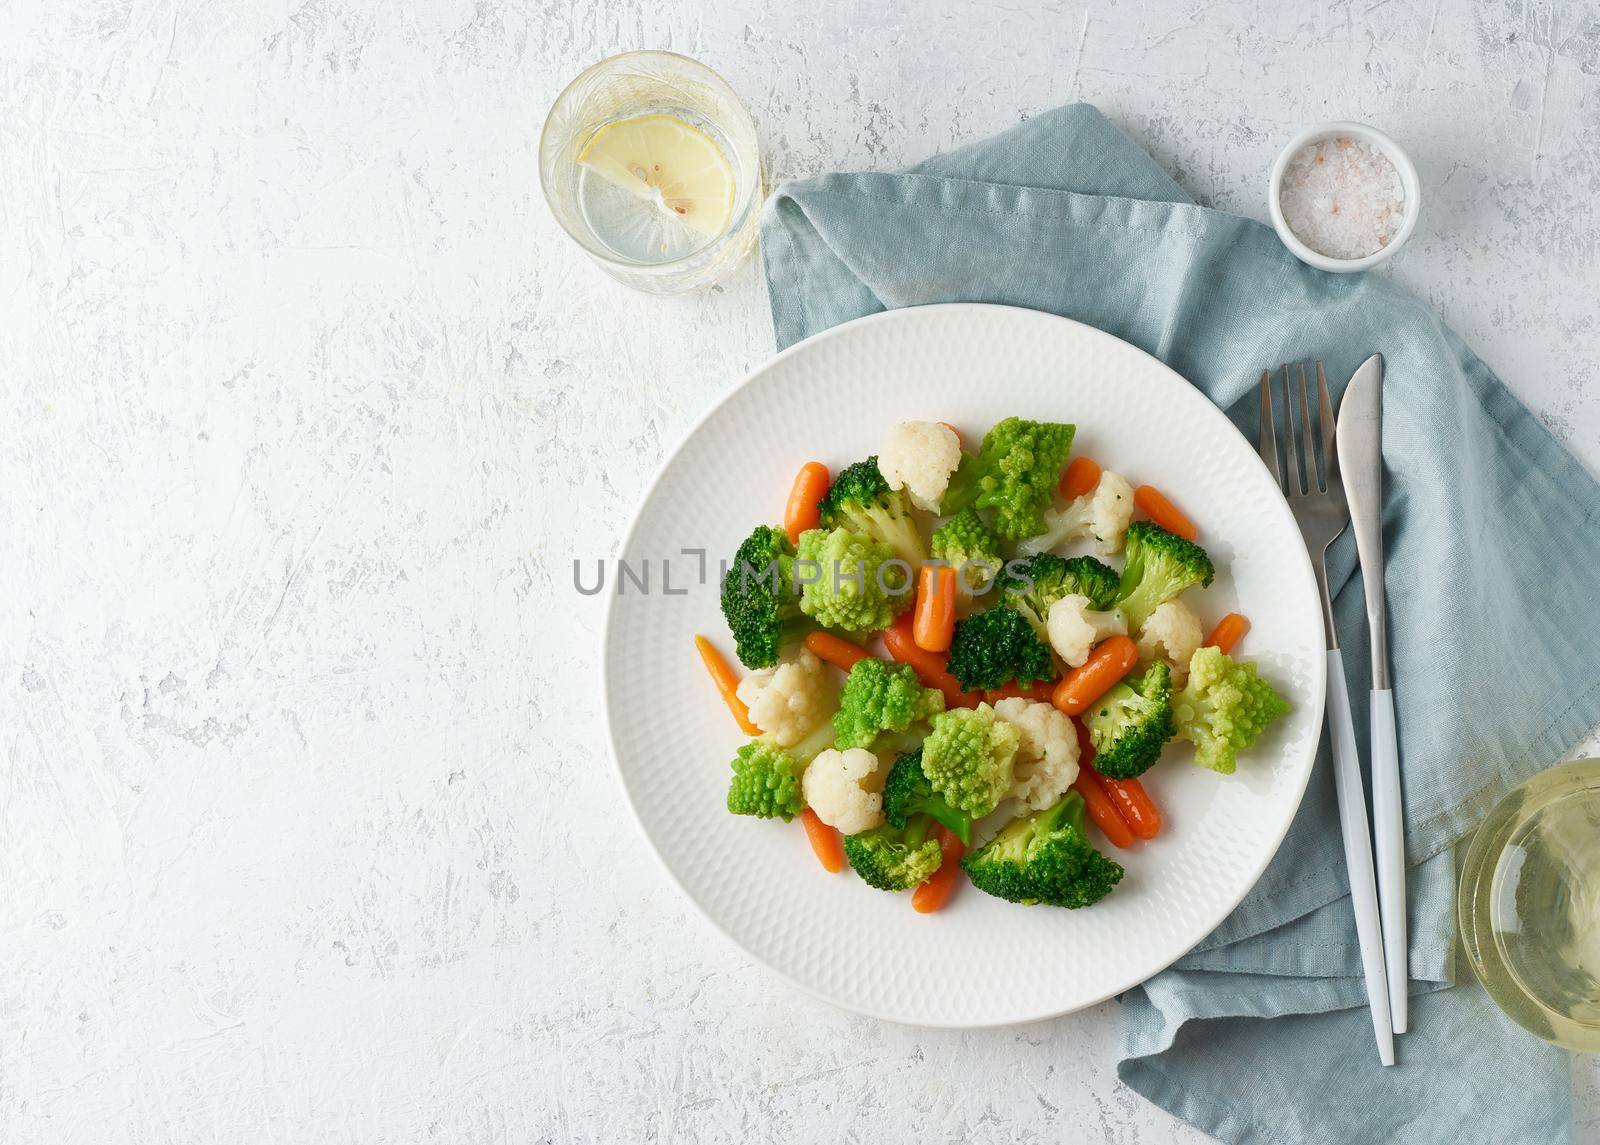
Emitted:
<point x="1409" y="183"/>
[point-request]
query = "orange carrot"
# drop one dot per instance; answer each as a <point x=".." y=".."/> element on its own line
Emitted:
<point x="1131" y="800"/>
<point x="953" y="430"/>
<point x="1154" y="504"/>
<point x="931" y="895"/>
<point x="1040" y="692"/>
<point x="929" y="666"/>
<point x="824" y="842"/>
<point x="1107" y="664"/>
<point x="1228" y="632"/>
<point x="835" y="650"/>
<point x="1102" y="812"/>
<point x="801" y="513"/>
<point x="935" y="616"/>
<point x="1081" y="476"/>
<point x="727" y="683"/>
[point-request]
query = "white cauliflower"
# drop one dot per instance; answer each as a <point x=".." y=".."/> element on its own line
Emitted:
<point x="1074" y="628"/>
<point x="1101" y="515"/>
<point x="844" y="789"/>
<point x="919" y="456"/>
<point x="1172" y="633"/>
<point x="1047" y="756"/>
<point x="789" y="700"/>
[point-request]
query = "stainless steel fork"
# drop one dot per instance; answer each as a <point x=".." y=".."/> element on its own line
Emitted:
<point x="1316" y="497"/>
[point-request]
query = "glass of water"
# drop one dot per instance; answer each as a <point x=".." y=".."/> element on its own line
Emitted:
<point x="649" y="161"/>
<point x="1528" y="905"/>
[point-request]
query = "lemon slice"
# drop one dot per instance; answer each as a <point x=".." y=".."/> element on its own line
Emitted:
<point x="666" y="161"/>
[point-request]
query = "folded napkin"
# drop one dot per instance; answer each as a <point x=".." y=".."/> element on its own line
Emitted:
<point x="1492" y="536"/>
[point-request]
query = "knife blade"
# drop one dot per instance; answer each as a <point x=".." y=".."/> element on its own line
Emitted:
<point x="1360" y="447"/>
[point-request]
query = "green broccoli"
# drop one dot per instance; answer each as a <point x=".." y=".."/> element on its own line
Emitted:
<point x="881" y="697"/>
<point x="766" y="777"/>
<point x="1131" y="723"/>
<point x="849" y="581"/>
<point x="1033" y="584"/>
<point x="860" y="500"/>
<point x="1015" y="474"/>
<point x="1045" y="857"/>
<point x="892" y="858"/>
<point x="1160" y="565"/>
<point x="907" y="794"/>
<point x="759" y="598"/>
<point x="969" y="758"/>
<point x="1223" y="708"/>
<point x="969" y="545"/>
<point x="993" y="647"/>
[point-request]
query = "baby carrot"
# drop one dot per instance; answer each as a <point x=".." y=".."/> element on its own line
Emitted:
<point x="1132" y="802"/>
<point x="801" y="513"/>
<point x="931" y="895"/>
<point x="929" y="666"/>
<point x="1040" y="692"/>
<point x="1154" y="504"/>
<point x="1228" y="632"/>
<point x="1101" y="811"/>
<point x="1081" y="476"/>
<point x="935" y="616"/>
<point x="727" y="683"/>
<point x="1107" y="664"/>
<point x="824" y="842"/>
<point x="835" y="649"/>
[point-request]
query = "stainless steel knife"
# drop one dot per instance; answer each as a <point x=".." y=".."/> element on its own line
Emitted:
<point x="1360" y="447"/>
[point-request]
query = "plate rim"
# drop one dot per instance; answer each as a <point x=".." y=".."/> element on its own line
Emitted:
<point x="603" y="664"/>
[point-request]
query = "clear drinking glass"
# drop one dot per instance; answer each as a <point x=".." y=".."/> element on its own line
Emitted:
<point x="635" y="239"/>
<point x="1529" y="905"/>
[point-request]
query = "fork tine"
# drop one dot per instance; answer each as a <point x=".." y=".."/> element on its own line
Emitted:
<point x="1330" y="451"/>
<point x="1291" y="449"/>
<point x="1268" y="447"/>
<point x="1308" y="446"/>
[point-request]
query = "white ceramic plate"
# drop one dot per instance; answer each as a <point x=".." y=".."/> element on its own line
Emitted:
<point x="980" y="961"/>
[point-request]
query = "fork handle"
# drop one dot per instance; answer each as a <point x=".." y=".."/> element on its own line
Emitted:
<point x="1389" y="841"/>
<point x="1358" y="853"/>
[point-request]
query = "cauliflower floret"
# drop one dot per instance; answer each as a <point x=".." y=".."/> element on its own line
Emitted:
<point x="1074" y="628"/>
<point x="789" y="700"/>
<point x="1047" y="756"/>
<point x="919" y="456"/>
<point x="1101" y="515"/>
<point x="1171" y="633"/>
<point x="844" y="789"/>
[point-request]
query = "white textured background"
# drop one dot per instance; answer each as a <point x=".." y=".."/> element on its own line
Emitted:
<point x="307" y="831"/>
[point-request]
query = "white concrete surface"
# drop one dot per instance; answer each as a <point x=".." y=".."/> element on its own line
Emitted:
<point x="307" y="832"/>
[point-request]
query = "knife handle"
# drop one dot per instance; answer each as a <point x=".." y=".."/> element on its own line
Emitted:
<point x="1389" y="833"/>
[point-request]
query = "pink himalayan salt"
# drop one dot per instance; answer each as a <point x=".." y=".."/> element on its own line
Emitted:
<point x="1343" y="198"/>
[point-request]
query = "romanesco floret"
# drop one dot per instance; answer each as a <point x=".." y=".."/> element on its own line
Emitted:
<point x="991" y="648"/>
<point x="881" y="697"/>
<point x="789" y="700"/>
<point x="1100" y="515"/>
<point x="860" y="500"/>
<point x="1045" y="857"/>
<point x="968" y="758"/>
<point x="1171" y="633"/>
<point x="1074" y="627"/>
<point x="1225" y="706"/>
<point x="892" y="859"/>
<point x="767" y="778"/>
<point x="1131" y="723"/>
<point x="971" y="547"/>
<point x="849" y="581"/>
<point x="1160" y="565"/>
<point x="759" y="599"/>
<point x="1015" y="474"/>
<point x="1047" y="752"/>
<point x="1032" y="584"/>
<point x="919" y="456"/>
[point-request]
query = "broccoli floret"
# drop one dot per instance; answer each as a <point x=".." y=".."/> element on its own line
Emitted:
<point x="1045" y="857"/>
<point x="892" y="858"/>
<point x="766" y="777"/>
<point x="1223" y="708"/>
<point x="881" y="697"/>
<point x="1015" y="474"/>
<point x="1032" y="585"/>
<point x="993" y="647"/>
<point x="860" y="500"/>
<point x="759" y="600"/>
<point x="965" y="542"/>
<point x="846" y="582"/>
<point x="969" y="757"/>
<point x="908" y="794"/>
<point x="1131" y="723"/>
<point x="1160" y="566"/>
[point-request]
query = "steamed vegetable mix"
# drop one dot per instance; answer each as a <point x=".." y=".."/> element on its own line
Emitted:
<point x="1023" y="682"/>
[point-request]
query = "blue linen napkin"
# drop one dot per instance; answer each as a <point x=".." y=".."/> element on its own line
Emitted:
<point x="1492" y="534"/>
